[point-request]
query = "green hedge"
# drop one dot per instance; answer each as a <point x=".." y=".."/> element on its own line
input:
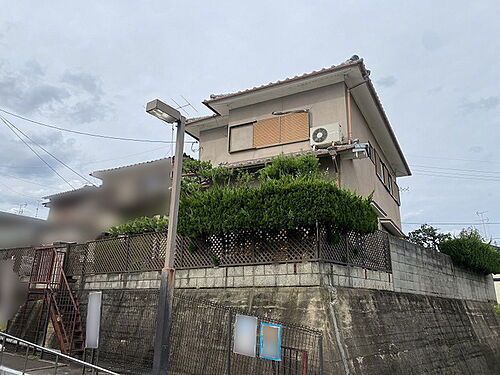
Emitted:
<point x="472" y="253"/>
<point x="290" y="192"/>
<point x="275" y="204"/>
<point x="141" y="225"/>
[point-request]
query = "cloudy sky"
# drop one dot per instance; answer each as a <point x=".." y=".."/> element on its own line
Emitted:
<point x="91" y="67"/>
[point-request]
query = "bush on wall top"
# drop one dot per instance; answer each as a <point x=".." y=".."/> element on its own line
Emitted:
<point x="292" y="192"/>
<point x="468" y="250"/>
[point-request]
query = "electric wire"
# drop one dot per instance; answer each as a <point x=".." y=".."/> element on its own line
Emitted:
<point x="116" y="138"/>
<point x="27" y="181"/>
<point x="450" y="223"/>
<point x="49" y="153"/>
<point x="17" y="192"/>
<point x="455" y="159"/>
<point x="34" y="151"/>
<point x="455" y="169"/>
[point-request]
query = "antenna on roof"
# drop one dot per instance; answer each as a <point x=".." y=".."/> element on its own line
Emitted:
<point x="187" y="101"/>
<point x="181" y="107"/>
<point x="185" y="105"/>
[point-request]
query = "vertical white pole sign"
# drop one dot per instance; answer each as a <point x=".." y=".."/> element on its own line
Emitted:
<point x="93" y="320"/>
<point x="245" y="335"/>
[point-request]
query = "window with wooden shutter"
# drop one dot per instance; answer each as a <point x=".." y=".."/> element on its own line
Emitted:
<point x="267" y="132"/>
<point x="289" y="128"/>
<point x="294" y="127"/>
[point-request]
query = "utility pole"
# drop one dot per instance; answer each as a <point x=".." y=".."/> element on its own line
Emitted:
<point x="481" y="216"/>
<point x="164" y="318"/>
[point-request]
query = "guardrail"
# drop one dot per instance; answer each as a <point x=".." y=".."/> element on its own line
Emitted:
<point x="60" y="360"/>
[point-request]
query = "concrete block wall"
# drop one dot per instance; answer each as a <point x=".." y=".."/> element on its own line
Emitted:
<point x="414" y="270"/>
<point x="256" y="276"/>
<point x="426" y="271"/>
<point x="132" y="280"/>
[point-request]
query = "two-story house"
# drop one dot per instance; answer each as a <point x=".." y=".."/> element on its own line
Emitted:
<point x="334" y="112"/>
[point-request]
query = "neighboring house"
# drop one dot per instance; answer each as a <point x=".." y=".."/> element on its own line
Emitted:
<point x="20" y="231"/>
<point x="334" y="112"/>
<point x="126" y="193"/>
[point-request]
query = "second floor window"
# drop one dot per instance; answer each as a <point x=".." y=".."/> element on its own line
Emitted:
<point x="293" y="127"/>
<point x="289" y="128"/>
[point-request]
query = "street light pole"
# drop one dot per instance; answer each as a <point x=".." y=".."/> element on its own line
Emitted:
<point x="164" y="317"/>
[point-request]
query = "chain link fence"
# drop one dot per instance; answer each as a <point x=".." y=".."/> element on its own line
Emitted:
<point x="201" y="338"/>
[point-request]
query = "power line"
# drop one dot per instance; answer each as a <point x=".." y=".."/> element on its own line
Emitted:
<point x="17" y="192"/>
<point x="36" y="153"/>
<point x="436" y="223"/>
<point x="455" y="169"/>
<point x="27" y="181"/>
<point x="88" y="134"/>
<point x="457" y="159"/>
<point x="129" y="155"/>
<point x="462" y="177"/>
<point x="49" y="153"/>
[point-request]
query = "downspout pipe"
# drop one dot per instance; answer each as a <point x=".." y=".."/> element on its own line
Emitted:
<point x="349" y="111"/>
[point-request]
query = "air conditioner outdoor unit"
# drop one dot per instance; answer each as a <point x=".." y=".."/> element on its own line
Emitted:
<point x="326" y="135"/>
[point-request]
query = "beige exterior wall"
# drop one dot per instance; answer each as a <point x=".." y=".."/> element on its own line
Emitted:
<point x="360" y="175"/>
<point x="326" y="105"/>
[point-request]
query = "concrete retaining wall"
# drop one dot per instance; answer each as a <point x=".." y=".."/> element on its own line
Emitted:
<point x="425" y="271"/>
<point x="414" y="270"/>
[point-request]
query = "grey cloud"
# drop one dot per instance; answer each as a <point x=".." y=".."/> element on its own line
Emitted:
<point x="87" y="82"/>
<point x="476" y="149"/>
<point x="75" y="96"/>
<point x="89" y="111"/>
<point x="431" y="41"/>
<point x="387" y="81"/>
<point x="25" y="92"/>
<point x="483" y="104"/>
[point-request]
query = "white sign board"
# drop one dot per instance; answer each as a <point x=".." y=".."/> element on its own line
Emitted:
<point x="245" y="335"/>
<point x="93" y="320"/>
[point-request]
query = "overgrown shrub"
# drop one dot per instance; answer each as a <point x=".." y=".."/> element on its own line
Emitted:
<point x="141" y="225"/>
<point x="292" y="193"/>
<point x="468" y="250"/>
<point x="275" y="204"/>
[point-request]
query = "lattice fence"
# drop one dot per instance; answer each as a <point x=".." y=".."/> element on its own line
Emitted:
<point x="248" y="247"/>
<point x="146" y="252"/>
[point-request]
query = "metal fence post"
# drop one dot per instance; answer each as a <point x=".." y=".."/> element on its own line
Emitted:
<point x="127" y="259"/>
<point x="229" y="339"/>
<point x="321" y="354"/>
<point x="318" y="254"/>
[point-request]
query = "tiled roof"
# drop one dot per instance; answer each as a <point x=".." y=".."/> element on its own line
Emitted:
<point x="130" y="165"/>
<point x="352" y="61"/>
<point x="83" y="189"/>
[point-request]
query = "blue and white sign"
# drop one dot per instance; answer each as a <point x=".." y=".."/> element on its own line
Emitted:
<point x="270" y="341"/>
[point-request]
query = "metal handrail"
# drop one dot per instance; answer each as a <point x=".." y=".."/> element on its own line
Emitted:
<point x="41" y="349"/>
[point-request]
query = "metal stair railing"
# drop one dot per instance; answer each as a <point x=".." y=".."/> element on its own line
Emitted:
<point x="65" y="308"/>
<point x="60" y="360"/>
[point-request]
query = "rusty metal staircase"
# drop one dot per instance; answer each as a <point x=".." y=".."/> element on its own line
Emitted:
<point x="49" y="277"/>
